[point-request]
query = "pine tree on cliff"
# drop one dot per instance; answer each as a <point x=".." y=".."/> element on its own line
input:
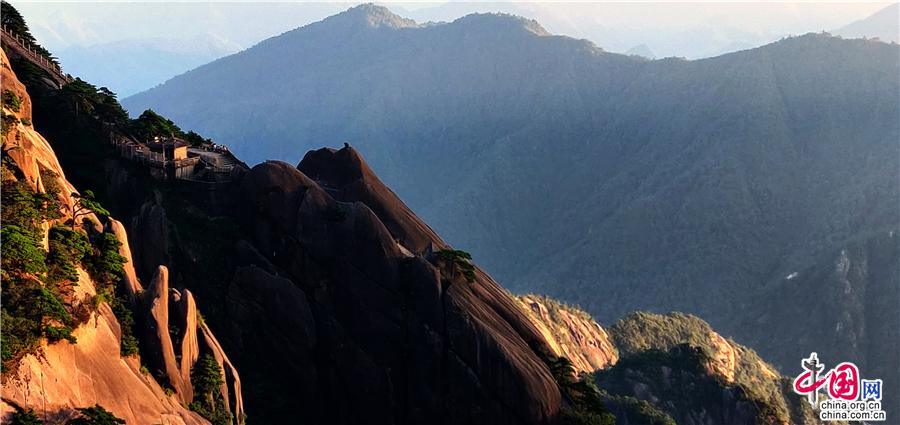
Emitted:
<point x="13" y="22"/>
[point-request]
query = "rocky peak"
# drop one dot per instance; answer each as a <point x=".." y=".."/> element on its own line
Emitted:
<point x="346" y="176"/>
<point x="372" y="16"/>
<point x="453" y="348"/>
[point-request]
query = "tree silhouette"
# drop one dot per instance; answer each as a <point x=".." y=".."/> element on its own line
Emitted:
<point x="84" y="204"/>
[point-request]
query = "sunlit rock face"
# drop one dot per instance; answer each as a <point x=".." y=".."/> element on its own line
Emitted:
<point x="63" y="376"/>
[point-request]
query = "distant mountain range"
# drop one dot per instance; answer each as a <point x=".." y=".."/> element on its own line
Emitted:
<point x="641" y="50"/>
<point x="602" y="179"/>
<point x="759" y="187"/>
<point x="884" y="25"/>
<point x="138" y="65"/>
<point x="120" y="46"/>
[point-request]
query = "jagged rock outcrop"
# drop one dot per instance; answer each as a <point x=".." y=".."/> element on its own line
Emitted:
<point x="372" y="323"/>
<point x="173" y="344"/>
<point x="90" y="372"/>
<point x="571" y="333"/>
<point x="132" y="284"/>
<point x="158" y="342"/>
<point x="62" y="376"/>
<point x="186" y="323"/>
<point x="346" y="177"/>
<point x="231" y="387"/>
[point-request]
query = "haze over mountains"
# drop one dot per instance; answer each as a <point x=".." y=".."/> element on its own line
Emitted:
<point x="143" y="63"/>
<point x="884" y="24"/>
<point x="136" y="39"/>
<point x="758" y="188"/>
<point x="611" y="181"/>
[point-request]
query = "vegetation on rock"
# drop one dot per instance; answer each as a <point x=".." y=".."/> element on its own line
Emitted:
<point x="587" y="406"/>
<point x="85" y="204"/>
<point x="95" y="415"/>
<point x="11" y="100"/>
<point x="207" y="377"/>
<point x="647" y="337"/>
<point x="37" y="284"/>
<point x="458" y="260"/>
<point x="24" y="417"/>
<point x="33" y="305"/>
<point x="8" y="121"/>
<point x="150" y="124"/>
<point x="13" y="21"/>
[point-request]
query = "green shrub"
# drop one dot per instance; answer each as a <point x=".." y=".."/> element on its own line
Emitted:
<point x="106" y="267"/>
<point x="207" y="379"/>
<point x="587" y="403"/>
<point x="105" y="264"/>
<point x="68" y="248"/>
<point x="206" y="375"/>
<point x="22" y="250"/>
<point x="150" y="124"/>
<point x="458" y="259"/>
<point x="58" y="333"/>
<point x="640" y="331"/>
<point x="81" y="104"/>
<point x="20" y="335"/>
<point x="12" y="100"/>
<point x="12" y="20"/>
<point x="24" y="417"/>
<point x="30" y="311"/>
<point x="32" y="303"/>
<point x="25" y="121"/>
<point x="9" y="121"/>
<point x="129" y="345"/>
<point x="86" y="203"/>
<point x="196" y="140"/>
<point x="22" y="206"/>
<point x="95" y="415"/>
<point x="639" y="411"/>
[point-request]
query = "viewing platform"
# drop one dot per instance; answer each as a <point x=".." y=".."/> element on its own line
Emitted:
<point x="171" y="158"/>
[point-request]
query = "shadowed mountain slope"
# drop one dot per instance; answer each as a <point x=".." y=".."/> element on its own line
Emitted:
<point x="604" y="180"/>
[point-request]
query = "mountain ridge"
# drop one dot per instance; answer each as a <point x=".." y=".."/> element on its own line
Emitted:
<point x="663" y="185"/>
<point x="363" y="312"/>
<point x="882" y="25"/>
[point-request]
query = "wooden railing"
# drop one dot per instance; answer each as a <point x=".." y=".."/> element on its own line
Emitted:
<point x="21" y="46"/>
<point x="133" y="151"/>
